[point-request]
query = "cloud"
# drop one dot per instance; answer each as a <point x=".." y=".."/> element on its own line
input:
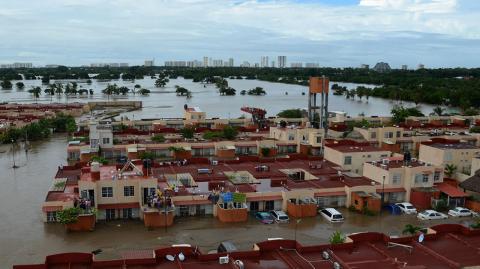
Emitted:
<point x="79" y="31"/>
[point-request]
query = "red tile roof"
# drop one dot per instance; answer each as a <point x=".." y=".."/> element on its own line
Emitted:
<point x="451" y="190"/>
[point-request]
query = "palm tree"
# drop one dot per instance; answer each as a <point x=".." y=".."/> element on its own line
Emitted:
<point x="450" y="170"/>
<point x="438" y="111"/>
<point x="411" y="229"/>
<point x="36" y="92"/>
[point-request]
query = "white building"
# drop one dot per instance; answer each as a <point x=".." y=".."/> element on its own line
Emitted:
<point x="282" y="61"/>
<point x="264" y="61"/>
<point x="312" y="65"/>
<point x="205" y="61"/>
<point x="149" y="63"/>
<point x="296" y="65"/>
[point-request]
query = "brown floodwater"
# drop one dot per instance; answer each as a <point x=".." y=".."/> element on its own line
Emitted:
<point x="24" y="238"/>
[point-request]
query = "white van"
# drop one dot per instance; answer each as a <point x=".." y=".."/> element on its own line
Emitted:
<point x="279" y="216"/>
<point x="331" y="214"/>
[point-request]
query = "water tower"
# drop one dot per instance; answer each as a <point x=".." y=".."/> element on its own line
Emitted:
<point x="320" y="86"/>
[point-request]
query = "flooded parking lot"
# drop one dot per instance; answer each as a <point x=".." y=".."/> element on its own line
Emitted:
<point x="26" y="239"/>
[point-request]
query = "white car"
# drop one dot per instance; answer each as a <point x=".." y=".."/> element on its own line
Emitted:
<point x="407" y="208"/>
<point x="460" y="212"/>
<point x="279" y="216"/>
<point x="331" y="214"/>
<point x="431" y="215"/>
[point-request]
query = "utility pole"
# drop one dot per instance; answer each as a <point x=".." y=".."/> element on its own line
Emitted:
<point x="13" y="155"/>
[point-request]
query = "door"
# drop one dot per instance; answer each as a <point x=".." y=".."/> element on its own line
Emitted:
<point x="253" y="206"/>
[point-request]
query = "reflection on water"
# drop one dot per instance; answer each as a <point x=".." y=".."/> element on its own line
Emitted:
<point x="163" y="102"/>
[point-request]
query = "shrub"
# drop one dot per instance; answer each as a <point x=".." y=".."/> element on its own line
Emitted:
<point x="99" y="159"/>
<point x="158" y="138"/>
<point x="337" y="238"/>
<point x="69" y="215"/>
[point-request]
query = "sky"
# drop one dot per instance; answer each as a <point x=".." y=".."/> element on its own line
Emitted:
<point x="343" y="33"/>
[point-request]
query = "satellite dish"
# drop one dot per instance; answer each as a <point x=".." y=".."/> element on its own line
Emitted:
<point x="421" y="237"/>
<point x="181" y="257"/>
<point x="170" y="257"/>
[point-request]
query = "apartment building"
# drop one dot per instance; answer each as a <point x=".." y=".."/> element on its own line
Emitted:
<point x="396" y="177"/>
<point x="454" y="152"/>
<point x="116" y="192"/>
<point x="351" y="155"/>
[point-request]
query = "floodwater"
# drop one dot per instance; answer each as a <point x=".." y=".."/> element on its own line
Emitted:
<point x="163" y="102"/>
<point x="24" y="238"/>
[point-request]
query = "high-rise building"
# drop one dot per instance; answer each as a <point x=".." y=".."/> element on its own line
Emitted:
<point x="264" y="61"/>
<point x="149" y="63"/>
<point x="365" y="66"/>
<point x="230" y="62"/>
<point x="218" y="63"/>
<point x="421" y="66"/>
<point x="273" y="64"/>
<point x="205" y="61"/>
<point x="296" y="65"/>
<point x="17" y="65"/>
<point x="404" y="67"/>
<point x="282" y="61"/>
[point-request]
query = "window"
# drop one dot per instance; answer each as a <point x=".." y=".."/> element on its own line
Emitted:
<point x="319" y="139"/>
<point x="348" y="160"/>
<point x="436" y="176"/>
<point x="425" y="178"/>
<point x="388" y="135"/>
<point x="127" y="213"/>
<point x="93" y="143"/>
<point x="106" y="140"/>
<point x="269" y="205"/>
<point x="398" y="134"/>
<point x="109" y="214"/>
<point x="107" y="192"/>
<point x="373" y="135"/>
<point x="418" y="178"/>
<point x="448" y="156"/>
<point x="128" y="191"/>
<point x="52" y="216"/>
<point x="396" y="179"/>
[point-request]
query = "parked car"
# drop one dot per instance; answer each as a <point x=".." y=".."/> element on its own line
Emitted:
<point x="407" y="208"/>
<point x="264" y="217"/>
<point x="460" y="212"/>
<point x="280" y="216"/>
<point x="431" y="215"/>
<point x="331" y="214"/>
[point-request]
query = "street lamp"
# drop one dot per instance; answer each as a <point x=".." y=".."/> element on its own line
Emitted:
<point x="13" y="155"/>
<point x="297" y="221"/>
<point x="383" y="194"/>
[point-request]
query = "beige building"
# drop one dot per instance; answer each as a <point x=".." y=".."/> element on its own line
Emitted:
<point x="456" y="153"/>
<point x="116" y="193"/>
<point x="381" y="135"/>
<point x="397" y="178"/>
<point x="352" y="156"/>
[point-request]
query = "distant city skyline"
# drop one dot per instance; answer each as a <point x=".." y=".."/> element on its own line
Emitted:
<point x="343" y="33"/>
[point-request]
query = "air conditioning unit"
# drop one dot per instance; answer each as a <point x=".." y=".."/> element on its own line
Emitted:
<point x="384" y="161"/>
<point x="223" y="260"/>
<point x="214" y="162"/>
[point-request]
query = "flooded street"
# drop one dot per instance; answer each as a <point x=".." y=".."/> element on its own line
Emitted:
<point x="163" y="102"/>
<point x="26" y="239"/>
